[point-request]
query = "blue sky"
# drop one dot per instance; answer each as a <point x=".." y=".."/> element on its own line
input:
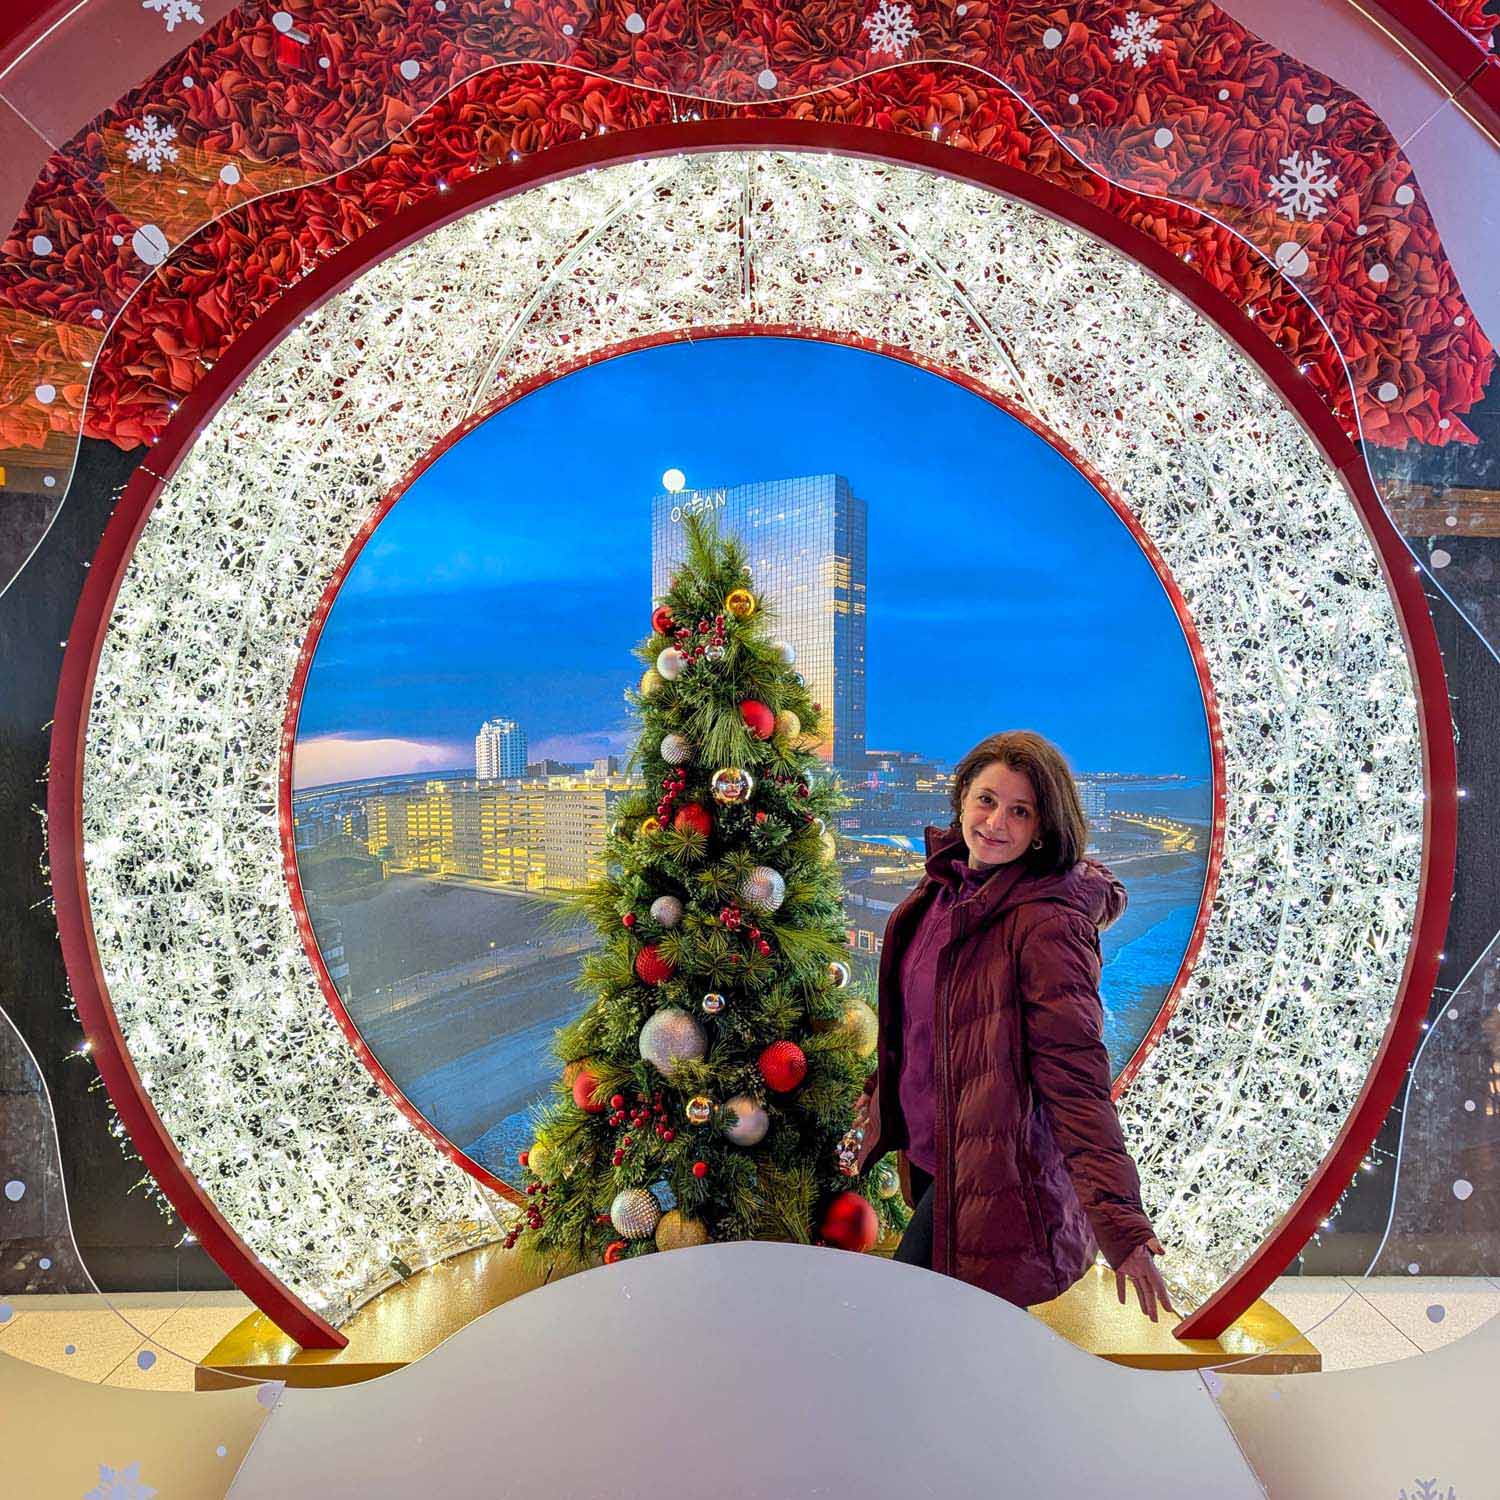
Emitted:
<point x="514" y="577"/>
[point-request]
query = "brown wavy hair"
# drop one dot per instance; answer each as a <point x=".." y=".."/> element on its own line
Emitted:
<point x="1064" y="828"/>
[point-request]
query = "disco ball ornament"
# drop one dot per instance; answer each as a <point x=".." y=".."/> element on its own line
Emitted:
<point x="678" y="1232"/>
<point x="740" y="603"/>
<point x="731" y="786"/>
<point x="651" y="682"/>
<point x="699" y="1109"/>
<point x="635" y="1213"/>
<point x="650" y="826"/>
<point x="783" y="1065"/>
<point x="788" y="725"/>
<point x="850" y="1223"/>
<point x="672" y="1036"/>
<point x="666" y="910"/>
<point x="887" y="1180"/>
<point x="861" y="1025"/>
<point x="652" y="967"/>
<point x="838" y="973"/>
<point x="661" y="620"/>
<point x="715" y="652"/>
<point x="670" y="664"/>
<point x="675" y="749"/>
<point x="763" y="889"/>
<point x="786" y="651"/>
<point x="745" y="1122"/>
<point x="713" y="1003"/>
<point x="759" y="719"/>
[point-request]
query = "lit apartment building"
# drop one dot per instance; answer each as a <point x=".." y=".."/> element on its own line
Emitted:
<point x="499" y="750"/>
<point x="806" y="542"/>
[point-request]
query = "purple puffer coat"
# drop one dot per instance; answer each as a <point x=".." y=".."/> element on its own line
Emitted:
<point x="1032" y="1170"/>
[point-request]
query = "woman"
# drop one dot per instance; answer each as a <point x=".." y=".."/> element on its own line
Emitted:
<point x="991" y="1074"/>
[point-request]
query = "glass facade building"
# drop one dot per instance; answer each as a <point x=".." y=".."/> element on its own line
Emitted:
<point x="499" y="750"/>
<point x="806" y="543"/>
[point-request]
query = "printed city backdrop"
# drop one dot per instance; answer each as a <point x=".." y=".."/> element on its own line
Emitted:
<point x="464" y="739"/>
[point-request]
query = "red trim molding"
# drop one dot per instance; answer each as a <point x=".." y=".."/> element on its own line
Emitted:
<point x="1453" y="54"/>
<point x="91" y="620"/>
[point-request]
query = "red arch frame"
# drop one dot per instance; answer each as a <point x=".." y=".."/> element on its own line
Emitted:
<point x="85" y="640"/>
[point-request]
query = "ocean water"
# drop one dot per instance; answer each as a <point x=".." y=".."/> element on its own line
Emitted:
<point x="1136" y="979"/>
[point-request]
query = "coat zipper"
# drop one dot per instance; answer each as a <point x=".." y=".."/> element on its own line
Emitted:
<point x="945" y="1160"/>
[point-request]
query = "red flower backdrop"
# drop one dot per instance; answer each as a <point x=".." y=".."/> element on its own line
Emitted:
<point x="289" y="134"/>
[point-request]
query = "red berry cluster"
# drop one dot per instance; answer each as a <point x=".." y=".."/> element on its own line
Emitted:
<point x="672" y="785"/>
<point x="733" y="918"/>
<point x="645" y="1111"/>
<point x="537" y="1191"/>
<point x="783" y="778"/>
<point x="708" y="634"/>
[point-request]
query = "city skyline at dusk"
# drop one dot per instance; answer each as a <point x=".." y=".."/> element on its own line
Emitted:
<point x="515" y="576"/>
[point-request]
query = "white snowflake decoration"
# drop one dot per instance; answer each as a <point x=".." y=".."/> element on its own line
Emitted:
<point x="120" y="1484"/>
<point x="892" y="28"/>
<point x="1137" y="38"/>
<point x="173" y="11"/>
<point x="1427" y="1489"/>
<point x="151" y="142"/>
<point x="1304" y="186"/>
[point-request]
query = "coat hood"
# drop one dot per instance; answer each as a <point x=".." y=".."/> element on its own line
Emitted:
<point x="1089" y="888"/>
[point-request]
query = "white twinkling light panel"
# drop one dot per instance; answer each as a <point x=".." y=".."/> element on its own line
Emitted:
<point x="313" y="1166"/>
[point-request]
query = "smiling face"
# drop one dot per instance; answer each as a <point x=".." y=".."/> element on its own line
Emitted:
<point x="999" y="817"/>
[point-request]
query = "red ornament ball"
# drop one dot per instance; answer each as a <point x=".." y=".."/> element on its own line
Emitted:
<point x="615" y="1250"/>
<point x="617" y="1101"/>
<point x="760" y="817"/>
<point x="759" y="719"/>
<point x="661" y="620"/>
<point x="849" y="1223"/>
<point x="783" y="1065"/>
<point x="692" y="818"/>
<point x="524" y="1158"/>
<point x="628" y="920"/>
<point x="651" y="967"/>
<point x="584" y="1084"/>
<point x="700" y="1169"/>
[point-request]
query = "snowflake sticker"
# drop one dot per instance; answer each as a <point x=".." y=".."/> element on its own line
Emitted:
<point x="121" y="1484"/>
<point x="173" y="11"/>
<point x="891" y="28"/>
<point x="151" y="143"/>
<point x="1137" y="38"/>
<point x="1304" y="185"/>
<point x="1426" y="1489"/>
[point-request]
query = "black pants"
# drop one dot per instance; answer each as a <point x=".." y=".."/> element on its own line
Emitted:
<point x="915" y="1248"/>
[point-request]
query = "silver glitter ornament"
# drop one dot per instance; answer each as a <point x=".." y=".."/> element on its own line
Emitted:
<point x="713" y="1003"/>
<point x="745" y="1122"/>
<point x="635" y="1213"/>
<point x="786" y="652"/>
<point x="763" y="889"/>
<point x="666" y="910"/>
<point x="672" y="1036"/>
<point x="731" y="786"/>
<point x="714" y="653"/>
<point x="675" y="749"/>
<point x="671" y="664"/>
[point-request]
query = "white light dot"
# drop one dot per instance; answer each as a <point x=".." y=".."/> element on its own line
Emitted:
<point x="635" y="23"/>
<point x="1462" y="1188"/>
<point x="188" y="81"/>
<point x="1405" y="194"/>
<point x="1163" y="136"/>
<point x="1223" y="93"/>
<point x="145" y="1359"/>
<point x="98" y="312"/>
<point x="440" y="6"/>
<point x="766" y="78"/>
<point x="45" y="1263"/>
<point x="229" y="173"/>
<point x="1292" y="258"/>
<point x="150" y="244"/>
<point x="1440" y="559"/>
<point x="1362" y="229"/>
<point x="49" y="480"/>
<point x="1380" y="273"/>
<point x="324" y="62"/>
<point x="15" y="1190"/>
<point x="961" y="10"/>
<point x="1051" y="38"/>
<point x="41" y="245"/>
<point x="1469" y="1105"/>
<point x="282" y="21"/>
<point x="70" y="1348"/>
<point x="1444" y="424"/>
<point x="1412" y="1268"/>
<point x="673" y="480"/>
<point x="1316" y="115"/>
<point x="410" y="68"/>
<point x="221" y="1450"/>
<point x="46" y="394"/>
<point x="1436" y="1313"/>
<point x="1387" y="391"/>
<point x="568" y="29"/>
<point x="1450" y="520"/>
<point x="1459" y="321"/>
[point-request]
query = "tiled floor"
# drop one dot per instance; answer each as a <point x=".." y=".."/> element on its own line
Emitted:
<point x="150" y="1340"/>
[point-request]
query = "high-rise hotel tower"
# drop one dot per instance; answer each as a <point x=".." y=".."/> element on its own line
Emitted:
<point x="806" y="543"/>
<point x="499" y="750"/>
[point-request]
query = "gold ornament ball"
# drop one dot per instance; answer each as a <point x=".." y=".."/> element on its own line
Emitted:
<point x="740" y="603"/>
<point x="651" y="682"/>
<point x="650" y="826"/>
<point x="828" y="847"/>
<point x="700" y="1109"/>
<point x="536" y="1158"/>
<point x="678" y="1232"/>
<point x="731" y="787"/>
<point x="861" y="1027"/>
<point x="788" y="725"/>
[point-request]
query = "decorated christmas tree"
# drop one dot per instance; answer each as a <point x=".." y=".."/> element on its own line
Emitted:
<point x="708" y="1093"/>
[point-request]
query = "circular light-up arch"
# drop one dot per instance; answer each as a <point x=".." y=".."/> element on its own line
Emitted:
<point x="195" y="956"/>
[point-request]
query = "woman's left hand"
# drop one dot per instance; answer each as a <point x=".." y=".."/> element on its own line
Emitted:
<point x="1139" y="1268"/>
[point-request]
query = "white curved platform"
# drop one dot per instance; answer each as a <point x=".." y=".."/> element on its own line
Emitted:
<point x="752" y="1370"/>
